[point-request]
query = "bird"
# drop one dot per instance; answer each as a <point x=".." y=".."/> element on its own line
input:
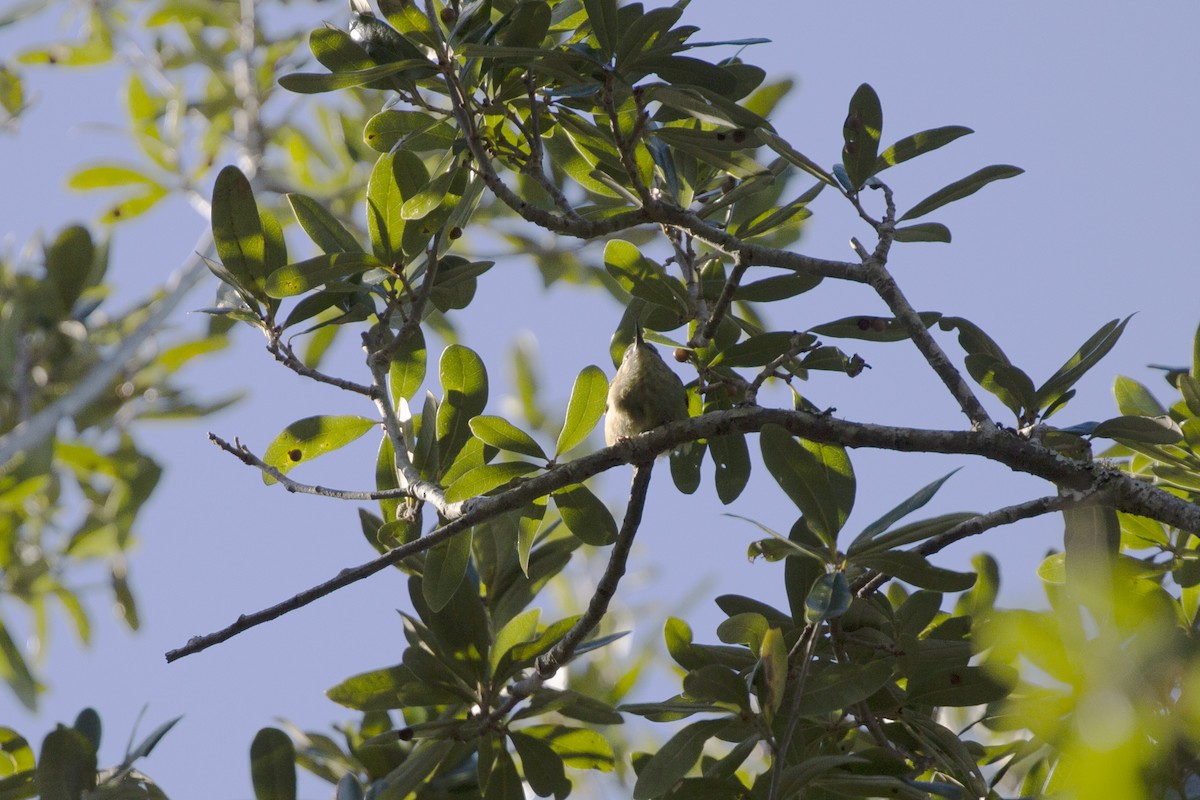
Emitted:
<point x="644" y="394"/>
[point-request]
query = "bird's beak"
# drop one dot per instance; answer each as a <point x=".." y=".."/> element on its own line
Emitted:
<point x="637" y="335"/>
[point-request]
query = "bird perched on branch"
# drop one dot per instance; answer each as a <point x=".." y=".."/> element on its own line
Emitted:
<point x="644" y="394"/>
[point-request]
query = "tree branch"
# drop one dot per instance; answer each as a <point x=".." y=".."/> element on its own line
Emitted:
<point x="37" y="429"/>
<point x="1124" y="492"/>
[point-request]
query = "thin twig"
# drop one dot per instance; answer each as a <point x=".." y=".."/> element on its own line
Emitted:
<point x="563" y="651"/>
<point x="740" y="264"/>
<point x="870" y="581"/>
<point x="284" y="354"/>
<point x="243" y="454"/>
<point x="809" y="636"/>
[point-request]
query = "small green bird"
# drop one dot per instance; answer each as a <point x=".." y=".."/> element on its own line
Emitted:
<point x="644" y="394"/>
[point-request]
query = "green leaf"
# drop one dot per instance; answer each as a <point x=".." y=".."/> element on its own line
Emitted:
<point x="543" y="767"/>
<point x="971" y="337"/>
<point x="318" y="82"/>
<point x="913" y="568"/>
<point x="840" y="686"/>
<point x="961" y="188"/>
<point x="960" y="685"/>
<point x="578" y="747"/>
<point x="676" y="758"/>
<point x="521" y="628"/>
<point x="395" y="177"/>
<point x="685" y="466"/>
<point x="302" y="276"/>
<point x="326" y="231"/>
<point x="483" y="479"/>
<point x="585" y="516"/>
<point x="916" y="531"/>
<point x="817" y="477"/>
<point x="1144" y="430"/>
<point x="829" y="597"/>
<point x="406" y="372"/>
<point x="602" y="14"/>
<point x="914" y="501"/>
<point x="760" y="350"/>
<point x="773" y="660"/>
<point x="465" y="385"/>
<point x="417" y="131"/>
<point x="414" y="772"/>
<point x="273" y="765"/>
<point x="923" y="232"/>
<point x="794" y="156"/>
<point x="731" y="458"/>
<point x="445" y="568"/>
<point x="237" y="230"/>
<point x="1134" y="399"/>
<point x="642" y="277"/>
<point x="1005" y="381"/>
<point x="780" y="287"/>
<point x="918" y="145"/>
<point x="687" y="71"/>
<point x="584" y="409"/>
<point x="1090" y="352"/>
<point x="66" y="765"/>
<point x="106" y="176"/>
<point x="310" y="437"/>
<point x="872" y="329"/>
<point x="861" y="131"/>
<point x="69" y="263"/>
<point x="147" y="745"/>
<point x="503" y="435"/>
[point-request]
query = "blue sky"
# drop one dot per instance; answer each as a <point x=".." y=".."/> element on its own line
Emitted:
<point x="1100" y="110"/>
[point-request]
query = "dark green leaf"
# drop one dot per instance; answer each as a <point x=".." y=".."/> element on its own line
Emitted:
<point x="326" y="231"/>
<point x="919" y="144"/>
<point x="1145" y="430"/>
<point x="273" y="765"/>
<point x="961" y="188"/>
<point x="69" y="262"/>
<point x="913" y="568"/>
<point x="871" y="329"/>
<point x="543" y="767"/>
<point x="760" y="350"/>
<point x="1090" y="352"/>
<point x="861" y="131"/>
<point x="960" y="685"/>
<point x="923" y="232"/>
<point x="779" y="287"/>
<point x="675" y="758"/>
<point x="914" y="501"/>
<point x="602" y="14"/>
<point x="445" y="568"/>
<point x="731" y="459"/>
<point x="66" y="765"/>
<point x="840" y="686"/>
<point x="1005" y="381"/>
<point x="829" y="598"/>
<point x="817" y="477"/>
<point x="585" y="516"/>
